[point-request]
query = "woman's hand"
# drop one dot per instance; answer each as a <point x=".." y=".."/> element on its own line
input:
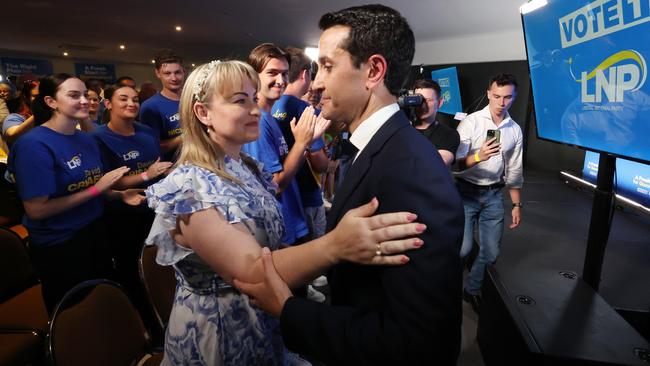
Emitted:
<point x="133" y="197"/>
<point x="109" y="179"/>
<point x="157" y="168"/>
<point x="365" y="239"/>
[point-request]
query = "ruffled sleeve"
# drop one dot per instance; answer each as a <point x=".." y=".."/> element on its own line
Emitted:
<point x="186" y="190"/>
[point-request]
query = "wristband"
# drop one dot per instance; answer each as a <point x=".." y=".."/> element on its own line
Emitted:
<point x="517" y="205"/>
<point x="94" y="192"/>
<point x="145" y="176"/>
<point x="476" y="158"/>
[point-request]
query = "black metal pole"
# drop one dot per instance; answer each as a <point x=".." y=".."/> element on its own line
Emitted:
<point x="600" y="224"/>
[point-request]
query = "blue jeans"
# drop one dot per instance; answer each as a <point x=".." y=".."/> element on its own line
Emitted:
<point x="485" y="205"/>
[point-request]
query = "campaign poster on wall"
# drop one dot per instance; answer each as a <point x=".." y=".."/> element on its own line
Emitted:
<point x="21" y="66"/>
<point x="632" y="178"/>
<point x="450" y="89"/>
<point x="588" y="70"/>
<point x="104" y="72"/>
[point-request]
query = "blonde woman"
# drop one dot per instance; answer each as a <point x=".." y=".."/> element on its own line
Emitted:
<point x="217" y="210"/>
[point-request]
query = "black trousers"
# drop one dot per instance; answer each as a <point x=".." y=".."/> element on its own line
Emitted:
<point x="62" y="266"/>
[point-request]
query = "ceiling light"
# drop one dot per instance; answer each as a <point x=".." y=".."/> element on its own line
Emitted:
<point x="179" y="28"/>
<point x="122" y="47"/>
<point x="153" y="61"/>
<point x="312" y="53"/>
<point x="65" y="53"/>
<point x="532" y="5"/>
<point x="193" y="65"/>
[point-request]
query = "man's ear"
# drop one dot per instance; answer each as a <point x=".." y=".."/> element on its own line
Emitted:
<point x="441" y="101"/>
<point x="202" y="113"/>
<point x="304" y="74"/>
<point x="377" y="67"/>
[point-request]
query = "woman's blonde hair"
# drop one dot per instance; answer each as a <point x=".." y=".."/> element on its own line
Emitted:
<point x="197" y="148"/>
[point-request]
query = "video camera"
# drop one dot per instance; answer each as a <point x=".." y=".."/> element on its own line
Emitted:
<point x="411" y="103"/>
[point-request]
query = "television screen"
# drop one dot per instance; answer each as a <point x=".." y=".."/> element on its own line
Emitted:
<point x="588" y="72"/>
<point x="632" y="178"/>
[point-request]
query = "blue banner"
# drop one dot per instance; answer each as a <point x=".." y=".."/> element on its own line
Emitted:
<point x="632" y="179"/>
<point x="450" y="90"/>
<point x="104" y="72"/>
<point x="21" y="66"/>
<point x="588" y="72"/>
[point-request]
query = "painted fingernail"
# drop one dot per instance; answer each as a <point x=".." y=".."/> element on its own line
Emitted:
<point x="420" y="228"/>
<point x="411" y="217"/>
<point x="417" y="243"/>
<point x="404" y="259"/>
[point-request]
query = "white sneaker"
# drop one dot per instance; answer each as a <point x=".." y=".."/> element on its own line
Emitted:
<point x="320" y="281"/>
<point x="314" y="295"/>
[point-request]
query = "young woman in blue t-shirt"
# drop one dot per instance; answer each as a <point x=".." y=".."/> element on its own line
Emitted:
<point x="60" y="179"/>
<point x="124" y="142"/>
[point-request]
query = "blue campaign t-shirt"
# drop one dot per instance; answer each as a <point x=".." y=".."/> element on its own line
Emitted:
<point x="284" y="110"/>
<point x="137" y="151"/>
<point x="47" y="163"/>
<point x="161" y="114"/>
<point x="271" y="149"/>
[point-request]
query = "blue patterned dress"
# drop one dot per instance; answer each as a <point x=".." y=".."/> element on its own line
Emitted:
<point x="211" y="323"/>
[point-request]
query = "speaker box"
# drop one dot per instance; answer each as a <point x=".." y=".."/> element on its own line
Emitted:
<point x="547" y="317"/>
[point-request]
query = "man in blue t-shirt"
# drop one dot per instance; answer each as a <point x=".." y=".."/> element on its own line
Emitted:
<point x="160" y="112"/>
<point x="290" y="106"/>
<point x="271" y="149"/>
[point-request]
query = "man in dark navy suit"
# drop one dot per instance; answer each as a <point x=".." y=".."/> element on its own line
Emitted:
<point x="401" y="315"/>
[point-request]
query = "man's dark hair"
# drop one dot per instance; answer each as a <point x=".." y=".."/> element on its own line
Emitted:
<point x="376" y="29"/>
<point x="299" y="62"/>
<point x="504" y="79"/>
<point x="167" y="56"/>
<point x="261" y="54"/>
<point x="427" y="84"/>
<point x="121" y="79"/>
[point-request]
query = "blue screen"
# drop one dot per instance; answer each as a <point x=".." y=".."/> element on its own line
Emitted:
<point x="449" y="89"/>
<point x="588" y="72"/>
<point x="632" y="178"/>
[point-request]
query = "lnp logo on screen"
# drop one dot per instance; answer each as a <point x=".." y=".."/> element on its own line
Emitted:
<point x="618" y="73"/>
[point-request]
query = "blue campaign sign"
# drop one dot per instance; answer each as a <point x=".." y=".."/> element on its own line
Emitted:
<point x="104" y="72"/>
<point x="632" y="178"/>
<point x="588" y="69"/>
<point x="450" y="90"/>
<point x="20" y="66"/>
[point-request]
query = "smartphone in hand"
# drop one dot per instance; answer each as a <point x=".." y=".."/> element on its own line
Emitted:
<point x="493" y="134"/>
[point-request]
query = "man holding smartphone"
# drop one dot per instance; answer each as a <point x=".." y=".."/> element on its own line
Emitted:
<point x="489" y="158"/>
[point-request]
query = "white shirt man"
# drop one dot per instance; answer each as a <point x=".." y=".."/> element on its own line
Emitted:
<point x="487" y="165"/>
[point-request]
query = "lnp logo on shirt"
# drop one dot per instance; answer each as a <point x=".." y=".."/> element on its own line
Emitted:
<point x="134" y="154"/>
<point x="175" y="117"/>
<point x="75" y="162"/>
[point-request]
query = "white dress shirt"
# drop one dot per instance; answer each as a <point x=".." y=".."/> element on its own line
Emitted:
<point x="505" y="167"/>
<point x="367" y="129"/>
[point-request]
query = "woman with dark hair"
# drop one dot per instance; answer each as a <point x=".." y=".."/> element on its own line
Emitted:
<point x="21" y="119"/>
<point x="60" y="179"/>
<point x="124" y="142"/>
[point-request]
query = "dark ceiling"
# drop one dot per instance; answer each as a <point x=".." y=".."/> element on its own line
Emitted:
<point x="214" y="28"/>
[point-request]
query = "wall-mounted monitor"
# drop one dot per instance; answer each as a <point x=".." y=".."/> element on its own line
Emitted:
<point x="588" y="70"/>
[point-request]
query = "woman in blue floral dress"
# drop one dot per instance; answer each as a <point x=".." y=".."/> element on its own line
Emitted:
<point x="216" y="211"/>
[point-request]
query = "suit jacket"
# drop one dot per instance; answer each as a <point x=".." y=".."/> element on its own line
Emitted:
<point x="409" y="314"/>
